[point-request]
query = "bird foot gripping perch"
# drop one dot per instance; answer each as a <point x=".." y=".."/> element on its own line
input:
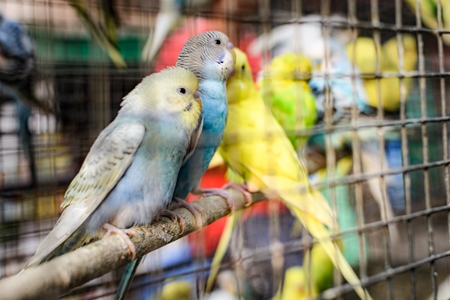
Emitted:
<point x="191" y="208"/>
<point x="111" y="229"/>
<point x="222" y="193"/>
<point x="175" y="218"/>
<point x="243" y="189"/>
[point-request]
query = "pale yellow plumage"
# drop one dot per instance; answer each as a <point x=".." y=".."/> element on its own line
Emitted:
<point x="387" y="90"/>
<point x="308" y="281"/>
<point x="179" y="289"/>
<point x="256" y="147"/>
<point x="429" y="14"/>
<point x="295" y="285"/>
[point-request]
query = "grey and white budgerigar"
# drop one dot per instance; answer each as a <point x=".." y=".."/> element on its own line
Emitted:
<point x="129" y="175"/>
<point x="210" y="56"/>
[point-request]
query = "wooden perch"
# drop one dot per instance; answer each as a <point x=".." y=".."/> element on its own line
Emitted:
<point x="73" y="269"/>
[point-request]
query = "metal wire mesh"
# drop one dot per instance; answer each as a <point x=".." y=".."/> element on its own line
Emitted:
<point x="404" y="257"/>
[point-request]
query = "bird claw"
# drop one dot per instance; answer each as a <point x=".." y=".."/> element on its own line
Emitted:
<point x="222" y="193"/>
<point x="243" y="189"/>
<point x="218" y="192"/>
<point x="194" y="211"/>
<point x="111" y="229"/>
<point x="175" y="218"/>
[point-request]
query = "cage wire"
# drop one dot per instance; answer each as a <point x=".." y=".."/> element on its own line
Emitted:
<point x="385" y="172"/>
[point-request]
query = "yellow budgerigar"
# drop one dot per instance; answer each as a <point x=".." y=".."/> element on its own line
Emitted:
<point x="429" y="13"/>
<point x="388" y="90"/>
<point x="256" y="147"/>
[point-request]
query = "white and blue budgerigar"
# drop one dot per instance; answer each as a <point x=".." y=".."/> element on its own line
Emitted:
<point x="130" y="172"/>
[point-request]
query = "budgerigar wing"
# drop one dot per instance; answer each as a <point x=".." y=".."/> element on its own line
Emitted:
<point x="108" y="159"/>
<point x="194" y="140"/>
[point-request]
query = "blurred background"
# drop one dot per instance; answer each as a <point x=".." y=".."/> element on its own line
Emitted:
<point x="376" y="144"/>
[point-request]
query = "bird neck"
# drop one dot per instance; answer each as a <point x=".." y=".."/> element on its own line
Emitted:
<point x="215" y="107"/>
<point x="212" y="92"/>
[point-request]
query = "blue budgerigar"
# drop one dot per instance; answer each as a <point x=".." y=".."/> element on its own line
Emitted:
<point x="129" y="175"/>
<point x="210" y="56"/>
<point x="17" y="65"/>
<point x="17" y="59"/>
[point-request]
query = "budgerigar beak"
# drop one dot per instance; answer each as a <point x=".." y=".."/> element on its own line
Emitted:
<point x="197" y="98"/>
<point x="230" y="48"/>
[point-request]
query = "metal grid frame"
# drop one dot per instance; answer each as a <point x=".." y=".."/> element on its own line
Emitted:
<point x="430" y="210"/>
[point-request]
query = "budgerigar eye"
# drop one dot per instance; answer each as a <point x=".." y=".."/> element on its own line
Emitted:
<point x="243" y="67"/>
<point x="182" y="90"/>
<point x="217" y="42"/>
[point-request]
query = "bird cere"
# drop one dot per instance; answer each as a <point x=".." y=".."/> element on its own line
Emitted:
<point x="271" y="150"/>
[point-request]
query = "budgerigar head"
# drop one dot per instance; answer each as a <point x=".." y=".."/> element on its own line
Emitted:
<point x="289" y="66"/>
<point x="240" y="85"/>
<point x="172" y="91"/>
<point x="208" y="55"/>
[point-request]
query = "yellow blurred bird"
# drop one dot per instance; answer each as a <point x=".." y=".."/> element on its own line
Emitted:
<point x="364" y="53"/>
<point x="314" y="277"/>
<point x="429" y="14"/>
<point x="179" y="289"/>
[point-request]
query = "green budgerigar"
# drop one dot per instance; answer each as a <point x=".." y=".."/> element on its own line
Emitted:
<point x="285" y="89"/>
<point x="129" y="175"/>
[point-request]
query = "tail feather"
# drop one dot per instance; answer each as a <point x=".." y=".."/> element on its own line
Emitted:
<point x="297" y="192"/>
<point x="313" y="210"/>
<point x="309" y="201"/>
<point x="322" y="235"/>
<point x="127" y="278"/>
<point x="380" y="194"/>
<point x="44" y="253"/>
